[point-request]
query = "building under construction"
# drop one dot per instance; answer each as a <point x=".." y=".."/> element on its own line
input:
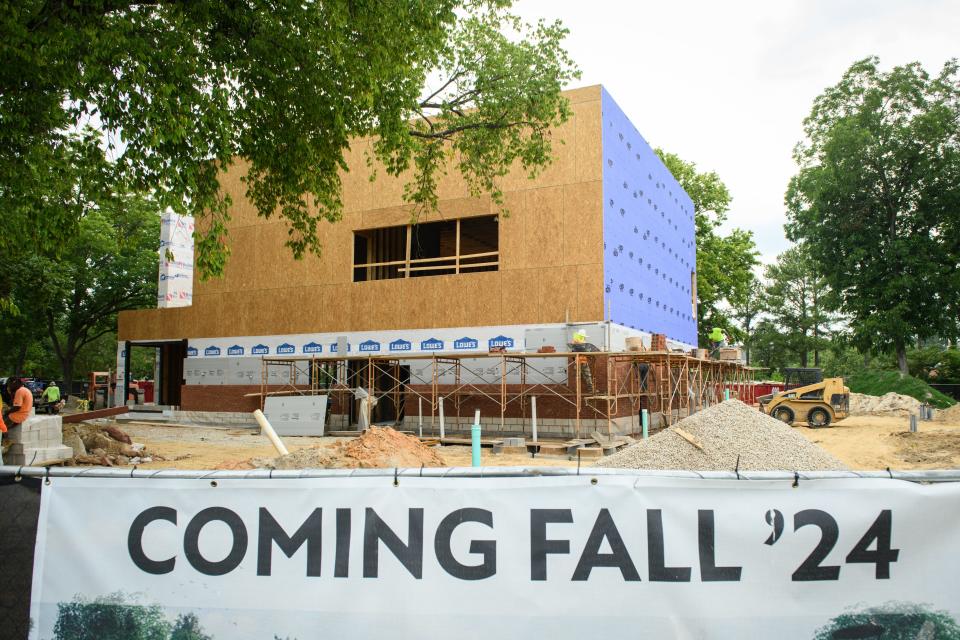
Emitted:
<point x="423" y="320"/>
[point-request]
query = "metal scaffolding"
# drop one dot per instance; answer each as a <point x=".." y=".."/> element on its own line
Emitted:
<point x="669" y="385"/>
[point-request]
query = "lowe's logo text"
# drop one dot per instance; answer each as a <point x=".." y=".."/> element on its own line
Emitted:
<point x="260" y="350"/>
<point x="400" y="345"/>
<point x="431" y="345"/>
<point x="312" y="347"/>
<point x="465" y="343"/>
<point x="370" y="345"/>
<point x="286" y="348"/>
<point x="500" y="341"/>
<point x="235" y="350"/>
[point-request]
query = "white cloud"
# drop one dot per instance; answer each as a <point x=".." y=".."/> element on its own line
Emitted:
<point x="727" y="84"/>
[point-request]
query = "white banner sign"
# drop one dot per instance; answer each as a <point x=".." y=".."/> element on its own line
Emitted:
<point x="559" y="557"/>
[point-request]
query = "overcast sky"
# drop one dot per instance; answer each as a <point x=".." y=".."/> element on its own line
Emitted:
<point x="727" y="84"/>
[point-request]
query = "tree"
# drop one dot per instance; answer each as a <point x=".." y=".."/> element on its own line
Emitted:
<point x="107" y="265"/>
<point x="746" y="311"/>
<point x="896" y="621"/>
<point x="187" y="627"/>
<point x="724" y="263"/>
<point x="183" y="90"/>
<point x="799" y="304"/>
<point x="876" y="201"/>
<point x="109" y="618"/>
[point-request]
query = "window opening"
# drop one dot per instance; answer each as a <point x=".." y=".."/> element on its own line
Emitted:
<point x="466" y="245"/>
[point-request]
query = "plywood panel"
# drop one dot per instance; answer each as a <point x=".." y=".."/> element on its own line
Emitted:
<point x="589" y="293"/>
<point x="583" y="94"/>
<point x="557" y="293"/>
<point x="582" y="226"/>
<point x="512" y="240"/>
<point x="471" y="299"/>
<point x="588" y="147"/>
<point x="543" y="227"/>
<point x="519" y="302"/>
<point x="357" y="189"/>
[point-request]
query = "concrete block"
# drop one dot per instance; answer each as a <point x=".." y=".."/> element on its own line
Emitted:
<point x="592" y="453"/>
<point x="501" y="449"/>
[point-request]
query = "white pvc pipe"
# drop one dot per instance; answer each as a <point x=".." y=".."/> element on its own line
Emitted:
<point x="271" y="434"/>
<point x="533" y="416"/>
<point x="441" y="419"/>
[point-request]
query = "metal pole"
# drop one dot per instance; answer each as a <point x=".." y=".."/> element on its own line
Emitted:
<point x="420" y="417"/>
<point x="913" y="424"/>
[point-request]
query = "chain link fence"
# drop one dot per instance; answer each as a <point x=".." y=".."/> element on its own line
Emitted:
<point x="20" y="509"/>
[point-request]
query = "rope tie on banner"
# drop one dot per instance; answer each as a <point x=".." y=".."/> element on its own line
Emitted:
<point x="578" y="461"/>
<point x="890" y="473"/>
<point x="421" y="469"/>
<point x="796" y="479"/>
<point x="132" y="470"/>
<point x="18" y="477"/>
<point x="396" y="480"/>
<point x="270" y="475"/>
<point x="737" y="468"/>
<point x="47" y="478"/>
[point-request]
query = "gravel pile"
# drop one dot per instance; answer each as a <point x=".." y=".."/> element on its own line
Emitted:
<point x="727" y="430"/>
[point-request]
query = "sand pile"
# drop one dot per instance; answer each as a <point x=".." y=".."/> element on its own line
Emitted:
<point x="948" y="415"/>
<point x="725" y="431"/>
<point x="377" y="448"/>
<point x="889" y="404"/>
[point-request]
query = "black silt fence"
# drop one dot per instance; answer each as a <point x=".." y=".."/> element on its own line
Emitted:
<point x="19" y="511"/>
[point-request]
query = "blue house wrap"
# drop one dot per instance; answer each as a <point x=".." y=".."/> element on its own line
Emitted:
<point x="649" y="252"/>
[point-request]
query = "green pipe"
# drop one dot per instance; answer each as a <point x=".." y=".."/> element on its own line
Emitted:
<point x="726" y="394"/>
<point x="645" y="421"/>
<point x="475" y="439"/>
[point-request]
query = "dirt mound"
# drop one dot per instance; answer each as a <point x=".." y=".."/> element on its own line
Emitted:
<point x="948" y="415"/>
<point x="376" y="448"/>
<point x="103" y="445"/>
<point x="726" y="431"/>
<point x="889" y="404"/>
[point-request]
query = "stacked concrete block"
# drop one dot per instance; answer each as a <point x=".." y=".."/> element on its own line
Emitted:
<point x="39" y="439"/>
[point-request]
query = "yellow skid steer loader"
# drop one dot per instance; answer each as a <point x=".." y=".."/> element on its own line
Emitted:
<point x="808" y="399"/>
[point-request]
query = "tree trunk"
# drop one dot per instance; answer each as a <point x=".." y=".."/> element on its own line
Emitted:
<point x="66" y="366"/>
<point x="902" y="358"/>
<point x="21" y="358"/>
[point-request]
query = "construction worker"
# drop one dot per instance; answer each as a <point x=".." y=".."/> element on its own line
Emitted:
<point x="21" y="405"/>
<point x="580" y="344"/>
<point x="717" y="340"/>
<point x="52" y="393"/>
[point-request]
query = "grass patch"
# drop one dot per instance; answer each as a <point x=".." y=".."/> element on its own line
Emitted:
<point x="877" y="383"/>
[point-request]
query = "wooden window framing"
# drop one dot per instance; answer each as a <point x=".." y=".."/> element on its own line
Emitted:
<point x="386" y="242"/>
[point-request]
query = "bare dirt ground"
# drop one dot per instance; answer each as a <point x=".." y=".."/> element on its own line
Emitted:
<point x="219" y="448"/>
<point x="878" y="442"/>
<point x="861" y="442"/>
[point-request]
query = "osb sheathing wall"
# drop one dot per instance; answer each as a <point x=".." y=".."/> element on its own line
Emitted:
<point x="551" y="252"/>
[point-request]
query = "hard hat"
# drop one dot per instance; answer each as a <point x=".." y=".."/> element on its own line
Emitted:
<point x="580" y="335"/>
